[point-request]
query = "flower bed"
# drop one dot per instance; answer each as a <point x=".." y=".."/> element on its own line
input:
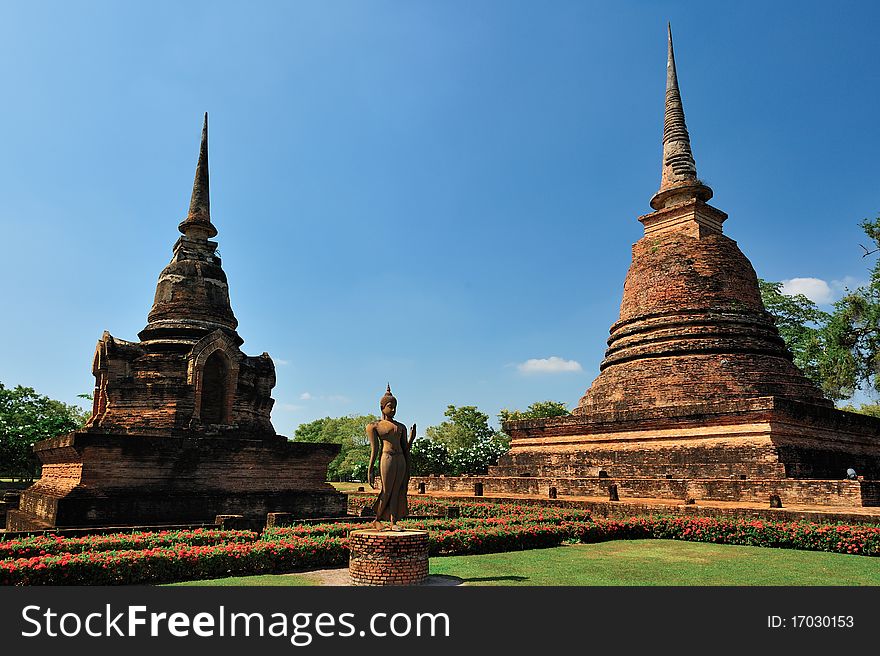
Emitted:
<point x="53" y="544"/>
<point x="177" y="563"/>
<point x="189" y="555"/>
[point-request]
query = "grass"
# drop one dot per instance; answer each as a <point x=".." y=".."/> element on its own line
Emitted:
<point x="350" y="487"/>
<point x="636" y="562"/>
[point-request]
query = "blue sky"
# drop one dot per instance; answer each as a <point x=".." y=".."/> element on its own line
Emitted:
<point x="427" y="193"/>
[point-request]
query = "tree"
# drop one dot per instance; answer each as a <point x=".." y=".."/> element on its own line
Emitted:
<point x="853" y="332"/>
<point x="839" y="351"/>
<point x="871" y="409"/>
<point x="476" y="458"/>
<point x="465" y="426"/>
<point x="537" y="410"/>
<point x="350" y="433"/>
<point x="464" y="444"/>
<point x="26" y="418"/>
<point x="801" y="324"/>
<point x="429" y="457"/>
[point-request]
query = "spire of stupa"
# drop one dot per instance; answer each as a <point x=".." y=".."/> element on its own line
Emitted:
<point x="192" y="295"/>
<point x="197" y="223"/>
<point x="678" y="179"/>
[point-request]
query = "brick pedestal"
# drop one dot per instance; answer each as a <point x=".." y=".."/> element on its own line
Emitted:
<point x="105" y="479"/>
<point x="388" y="557"/>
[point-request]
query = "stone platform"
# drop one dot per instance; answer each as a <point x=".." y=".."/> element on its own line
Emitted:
<point x="94" y="479"/>
<point x="734" y="451"/>
<point x="388" y="557"/>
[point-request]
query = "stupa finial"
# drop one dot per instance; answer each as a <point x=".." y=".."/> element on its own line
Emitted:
<point x="678" y="179"/>
<point x="197" y="223"/>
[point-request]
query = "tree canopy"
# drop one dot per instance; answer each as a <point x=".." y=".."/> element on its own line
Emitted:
<point x="27" y="417"/>
<point x="537" y="410"/>
<point x="840" y="350"/>
<point x="350" y="433"/>
<point x="463" y="444"/>
<point x="464" y="427"/>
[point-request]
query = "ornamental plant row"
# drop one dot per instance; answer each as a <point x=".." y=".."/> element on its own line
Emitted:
<point x="53" y="544"/>
<point x="177" y="563"/>
<point x="185" y="562"/>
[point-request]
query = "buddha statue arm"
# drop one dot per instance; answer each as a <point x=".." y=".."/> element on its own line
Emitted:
<point x="374" y="450"/>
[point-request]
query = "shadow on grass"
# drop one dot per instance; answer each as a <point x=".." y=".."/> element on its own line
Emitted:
<point x="497" y="578"/>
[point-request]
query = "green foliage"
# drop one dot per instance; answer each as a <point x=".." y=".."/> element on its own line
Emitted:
<point x="839" y="351"/>
<point x="464" y="427"/>
<point x="463" y="444"/>
<point x="27" y="417"/>
<point x="350" y="433"/>
<point x="801" y="324"/>
<point x="537" y="410"/>
<point x="429" y="457"/>
<point x="870" y="409"/>
<point x="476" y="458"/>
<point x="853" y="333"/>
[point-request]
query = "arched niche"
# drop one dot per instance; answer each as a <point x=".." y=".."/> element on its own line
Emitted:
<point x="214" y="390"/>
<point x="213" y="374"/>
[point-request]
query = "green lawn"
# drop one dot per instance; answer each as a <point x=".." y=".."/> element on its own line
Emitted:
<point x="350" y="487"/>
<point x="636" y="562"/>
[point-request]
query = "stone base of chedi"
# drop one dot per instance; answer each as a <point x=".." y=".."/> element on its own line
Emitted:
<point x="697" y="397"/>
<point x="739" y="451"/>
<point x="180" y="429"/>
<point x="95" y="479"/>
<point x="388" y="557"/>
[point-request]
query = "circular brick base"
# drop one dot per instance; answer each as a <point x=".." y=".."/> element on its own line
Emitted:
<point x="388" y="557"/>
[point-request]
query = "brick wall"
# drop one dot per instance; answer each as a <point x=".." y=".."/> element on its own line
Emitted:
<point x="833" y="494"/>
<point x="93" y="479"/>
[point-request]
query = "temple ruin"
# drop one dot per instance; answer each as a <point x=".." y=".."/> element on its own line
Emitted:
<point x="180" y="430"/>
<point x="697" y="396"/>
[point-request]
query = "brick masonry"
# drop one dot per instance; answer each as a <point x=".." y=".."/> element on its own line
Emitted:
<point x="98" y="480"/>
<point x="831" y="494"/>
<point x="388" y="557"/>
<point x="697" y="396"/>
<point x="180" y="429"/>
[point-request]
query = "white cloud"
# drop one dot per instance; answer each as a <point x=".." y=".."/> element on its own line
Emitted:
<point x="819" y="291"/>
<point x="849" y="283"/>
<point x="333" y="398"/>
<point x="283" y="363"/>
<point x="291" y="407"/>
<point x="815" y="289"/>
<point x="551" y="365"/>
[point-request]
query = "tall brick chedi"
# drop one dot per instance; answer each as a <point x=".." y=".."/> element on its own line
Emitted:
<point x="180" y="429"/>
<point x="692" y="325"/>
<point x="697" y="395"/>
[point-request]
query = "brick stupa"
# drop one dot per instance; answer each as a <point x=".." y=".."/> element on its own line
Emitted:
<point x="180" y="429"/>
<point x="697" y="396"/>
